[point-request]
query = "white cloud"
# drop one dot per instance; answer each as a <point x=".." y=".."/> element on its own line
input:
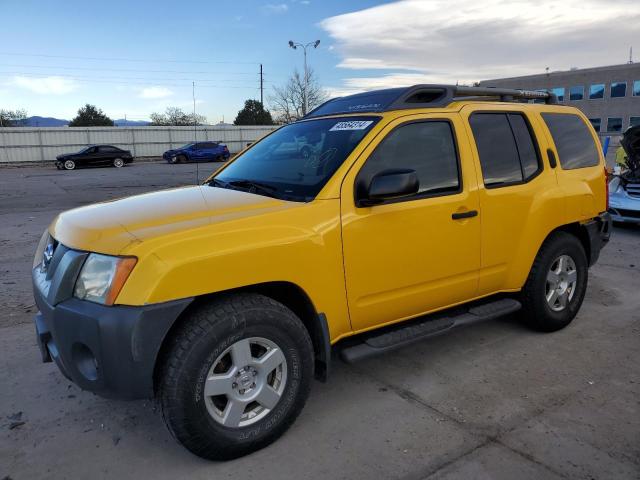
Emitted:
<point x="276" y="7"/>
<point x="444" y="41"/>
<point x="155" y="92"/>
<point x="45" y="85"/>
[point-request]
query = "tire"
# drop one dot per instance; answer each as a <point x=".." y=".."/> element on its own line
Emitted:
<point x="69" y="165"/>
<point x="118" y="162"/>
<point x="543" y="293"/>
<point x="181" y="159"/>
<point x="206" y="341"/>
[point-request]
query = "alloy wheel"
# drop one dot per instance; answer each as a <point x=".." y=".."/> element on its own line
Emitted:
<point x="245" y="382"/>
<point x="561" y="283"/>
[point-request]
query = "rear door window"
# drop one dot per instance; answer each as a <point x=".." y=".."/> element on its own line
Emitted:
<point x="572" y="138"/>
<point x="508" y="154"/>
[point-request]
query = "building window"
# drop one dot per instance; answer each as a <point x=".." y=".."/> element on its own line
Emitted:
<point x="614" y="124"/>
<point x="558" y="92"/>
<point x="596" y="123"/>
<point x="636" y="88"/>
<point x="596" y="91"/>
<point x="633" y="121"/>
<point x="618" y="89"/>
<point x="576" y="93"/>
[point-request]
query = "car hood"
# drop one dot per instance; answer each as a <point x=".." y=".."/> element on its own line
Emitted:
<point x="111" y="227"/>
<point x="631" y="142"/>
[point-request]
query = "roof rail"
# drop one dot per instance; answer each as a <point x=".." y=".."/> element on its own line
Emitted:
<point x="505" y="94"/>
<point x="421" y="96"/>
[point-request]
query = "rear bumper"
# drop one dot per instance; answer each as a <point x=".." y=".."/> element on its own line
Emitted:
<point x="111" y="351"/>
<point x="599" y="231"/>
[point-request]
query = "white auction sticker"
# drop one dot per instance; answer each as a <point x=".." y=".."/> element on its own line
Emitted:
<point x="353" y="125"/>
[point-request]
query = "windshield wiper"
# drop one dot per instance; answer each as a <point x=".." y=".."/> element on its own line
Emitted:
<point x="254" y="187"/>
<point x="250" y="186"/>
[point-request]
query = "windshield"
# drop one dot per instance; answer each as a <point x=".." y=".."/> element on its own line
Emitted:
<point x="296" y="161"/>
<point x="185" y="146"/>
<point x="86" y="149"/>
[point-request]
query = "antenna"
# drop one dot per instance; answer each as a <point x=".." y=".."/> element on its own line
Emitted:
<point x="195" y="128"/>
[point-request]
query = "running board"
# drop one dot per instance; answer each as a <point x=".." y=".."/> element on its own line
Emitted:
<point x="413" y="331"/>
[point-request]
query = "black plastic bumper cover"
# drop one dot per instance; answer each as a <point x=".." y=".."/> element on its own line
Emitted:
<point x="111" y="351"/>
<point x="599" y="231"/>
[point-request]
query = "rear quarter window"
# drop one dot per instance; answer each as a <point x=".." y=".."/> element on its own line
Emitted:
<point x="574" y="143"/>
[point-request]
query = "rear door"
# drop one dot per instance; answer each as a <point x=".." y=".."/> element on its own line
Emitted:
<point x="412" y="255"/>
<point x="519" y="196"/>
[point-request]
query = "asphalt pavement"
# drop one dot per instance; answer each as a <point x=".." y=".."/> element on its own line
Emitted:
<point x="493" y="400"/>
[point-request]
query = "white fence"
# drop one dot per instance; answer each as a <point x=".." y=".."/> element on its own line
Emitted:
<point x="38" y="144"/>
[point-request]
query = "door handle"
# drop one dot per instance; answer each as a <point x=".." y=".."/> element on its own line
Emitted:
<point x="461" y="215"/>
<point x="552" y="158"/>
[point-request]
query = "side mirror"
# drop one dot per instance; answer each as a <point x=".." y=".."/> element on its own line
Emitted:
<point x="388" y="184"/>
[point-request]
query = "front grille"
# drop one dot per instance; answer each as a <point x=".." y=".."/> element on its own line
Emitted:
<point x="628" y="213"/>
<point x="633" y="189"/>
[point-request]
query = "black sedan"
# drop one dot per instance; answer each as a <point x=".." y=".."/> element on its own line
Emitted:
<point x="94" y="155"/>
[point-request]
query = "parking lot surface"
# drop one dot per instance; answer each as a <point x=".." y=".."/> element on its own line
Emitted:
<point x="493" y="400"/>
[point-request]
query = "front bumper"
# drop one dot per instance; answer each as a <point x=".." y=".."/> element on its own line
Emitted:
<point x="111" y="351"/>
<point x="624" y="207"/>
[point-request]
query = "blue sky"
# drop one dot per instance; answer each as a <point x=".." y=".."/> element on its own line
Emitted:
<point x="138" y="57"/>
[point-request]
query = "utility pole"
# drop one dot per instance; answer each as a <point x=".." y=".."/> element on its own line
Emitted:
<point x="305" y="96"/>
<point x="261" y="87"/>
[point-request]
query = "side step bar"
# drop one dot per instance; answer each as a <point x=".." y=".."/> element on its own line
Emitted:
<point x="413" y="331"/>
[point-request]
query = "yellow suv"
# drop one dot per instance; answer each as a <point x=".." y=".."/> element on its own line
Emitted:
<point x="414" y="211"/>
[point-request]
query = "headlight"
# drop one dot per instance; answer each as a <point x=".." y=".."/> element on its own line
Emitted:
<point x="39" y="257"/>
<point x="102" y="277"/>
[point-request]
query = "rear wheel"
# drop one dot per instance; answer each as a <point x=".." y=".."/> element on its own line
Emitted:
<point x="69" y="164"/>
<point x="236" y="376"/>
<point x="118" y="162"/>
<point x="556" y="284"/>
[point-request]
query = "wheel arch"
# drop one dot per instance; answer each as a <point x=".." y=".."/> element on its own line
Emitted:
<point x="287" y="293"/>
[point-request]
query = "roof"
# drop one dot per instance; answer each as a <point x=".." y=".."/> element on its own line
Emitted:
<point x="420" y="96"/>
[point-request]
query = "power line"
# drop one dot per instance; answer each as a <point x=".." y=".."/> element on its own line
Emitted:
<point x="113" y="59"/>
<point x="131" y="80"/>
<point x="93" y="69"/>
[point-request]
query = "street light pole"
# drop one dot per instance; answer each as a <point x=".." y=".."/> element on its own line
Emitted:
<point x="305" y="96"/>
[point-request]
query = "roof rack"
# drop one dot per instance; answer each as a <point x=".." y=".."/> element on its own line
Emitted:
<point x="422" y="96"/>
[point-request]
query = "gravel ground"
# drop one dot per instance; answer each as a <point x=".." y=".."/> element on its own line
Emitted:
<point x="493" y="400"/>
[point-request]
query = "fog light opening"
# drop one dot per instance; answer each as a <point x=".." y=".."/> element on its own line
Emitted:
<point x="85" y="361"/>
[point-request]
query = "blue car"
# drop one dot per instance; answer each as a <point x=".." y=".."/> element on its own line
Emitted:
<point x="624" y="189"/>
<point x="198" y="152"/>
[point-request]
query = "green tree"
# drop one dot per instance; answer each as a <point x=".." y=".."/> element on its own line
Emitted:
<point x="91" y="116"/>
<point x="174" y="116"/>
<point x="12" y="118"/>
<point x="253" y="113"/>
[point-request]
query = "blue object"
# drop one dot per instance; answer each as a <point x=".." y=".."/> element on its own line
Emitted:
<point x="198" y="152"/>
<point x="605" y="147"/>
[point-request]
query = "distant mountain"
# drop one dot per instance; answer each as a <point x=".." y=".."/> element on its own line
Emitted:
<point x="37" y="121"/>
<point x="45" y="122"/>
<point x="121" y="122"/>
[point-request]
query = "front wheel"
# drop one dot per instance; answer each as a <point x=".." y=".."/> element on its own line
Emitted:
<point x="557" y="283"/>
<point x="69" y="165"/>
<point x="235" y="376"/>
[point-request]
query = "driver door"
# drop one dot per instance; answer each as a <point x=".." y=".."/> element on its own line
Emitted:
<point x="412" y="255"/>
